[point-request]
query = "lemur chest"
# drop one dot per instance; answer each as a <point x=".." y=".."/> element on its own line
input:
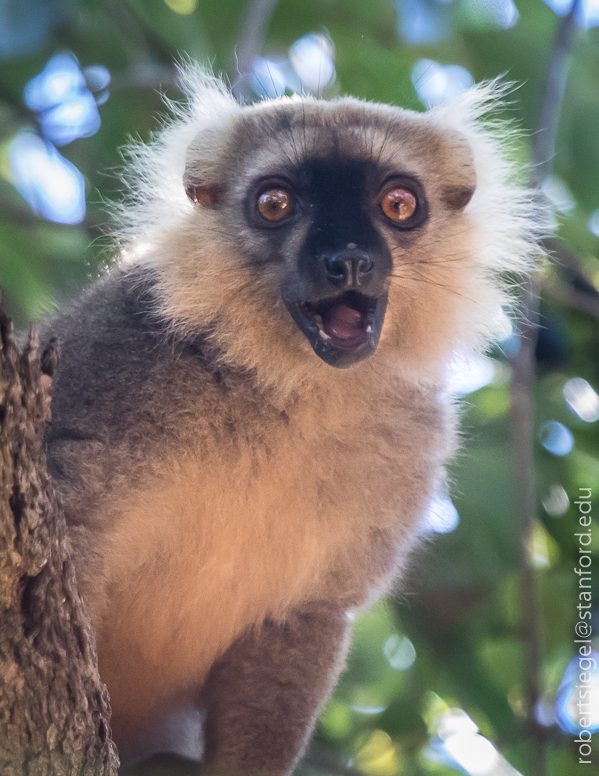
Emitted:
<point x="268" y="525"/>
<point x="216" y="544"/>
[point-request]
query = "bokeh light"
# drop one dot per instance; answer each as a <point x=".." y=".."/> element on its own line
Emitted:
<point x="66" y="108"/>
<point x="475" y="754"/>
<point x="556" y="502"/>
<point x="545" y="710"/>
<point x="558" y="193"/>
<point x="455" y="722"/>
<point x="587" y="15"/>
<point x="53" y="186"/>
<point x="502" y="14"/>
<point x="61" y="97"/>
<point x="312" y="57"/>
<point x="556" y="438"/>
<point x="310" y="67"/>
<point x="459" y="745"/>
<point x="268" y="78"/>
<point x="65" y="99"/>
<point x="582" y="399"/>
<point x="400" y="652"/>
<point x="182" y="7"/>
<point x="422" y="22"/>
<point x="441" y="516"/>
<point x="559" y="7"/>
<point x="593" y="223"/>
<point x="377" y="756"/>
<point x="369" y="710"/>
<point x="539" y="546"/>
<point x="571" y="702"/>
<point x="435" y="83"/>
<point x="503" y="326"/>
<point x="466" y="374"/>
<point x="590" y="13"/>
<point x="60" y="80"/>
<point x="97" y="78"/>
<point x="71" y="119"/>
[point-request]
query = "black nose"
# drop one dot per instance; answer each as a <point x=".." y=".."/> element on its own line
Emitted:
<point x="349" y="268"/>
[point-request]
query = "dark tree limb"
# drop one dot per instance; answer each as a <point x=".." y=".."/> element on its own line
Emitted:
<point x="522" y="402"/>
<point x="54" y="709"/>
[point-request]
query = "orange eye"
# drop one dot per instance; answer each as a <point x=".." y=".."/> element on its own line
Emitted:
<point x="275" y="204"/>
<point x="398" y="204"/>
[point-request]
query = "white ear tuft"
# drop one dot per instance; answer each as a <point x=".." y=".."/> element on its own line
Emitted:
<point x="155" y="199"/>
<point x="512" y="215"/>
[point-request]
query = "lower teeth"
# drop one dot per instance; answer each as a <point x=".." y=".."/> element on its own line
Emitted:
<point x="321" y="332"/>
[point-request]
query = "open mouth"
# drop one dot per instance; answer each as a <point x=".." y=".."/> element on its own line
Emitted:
<point x="344" y="329"/>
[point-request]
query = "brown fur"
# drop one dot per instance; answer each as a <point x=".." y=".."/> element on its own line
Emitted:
<point x="250" y="494"/>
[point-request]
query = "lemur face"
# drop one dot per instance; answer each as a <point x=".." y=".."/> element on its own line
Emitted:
<point x="336" y="289"/>
<point x="328" y="208"/>
<point x="350" y="223"/>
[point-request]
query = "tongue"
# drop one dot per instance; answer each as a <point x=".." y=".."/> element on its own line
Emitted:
<point x="343" y="323"/>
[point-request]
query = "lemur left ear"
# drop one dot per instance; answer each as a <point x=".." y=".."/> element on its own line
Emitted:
<point x="207" y="196"/>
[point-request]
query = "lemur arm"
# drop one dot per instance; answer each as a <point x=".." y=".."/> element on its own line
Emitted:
<point x="264" y="695"/>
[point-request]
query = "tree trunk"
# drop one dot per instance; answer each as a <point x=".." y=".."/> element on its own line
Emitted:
<point x="54" y="709"/>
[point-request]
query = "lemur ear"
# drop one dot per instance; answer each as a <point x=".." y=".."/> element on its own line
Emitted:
<point x="202" y="167"/>
<point x="457" y="197"/>
<point x="208" y="196"/>
<point x="460" y="171"/>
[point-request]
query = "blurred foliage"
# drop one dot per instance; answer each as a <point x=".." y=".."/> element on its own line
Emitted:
<point x="453" y="638"/>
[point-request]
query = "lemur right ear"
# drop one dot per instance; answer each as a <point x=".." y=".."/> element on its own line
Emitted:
<point x="208" y="196"/>
<point x="459" y="171"/>
<point x="457" y="197"/>
<point x="203" y="167"/>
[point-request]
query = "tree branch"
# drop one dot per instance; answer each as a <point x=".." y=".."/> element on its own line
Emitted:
<point x="522" y="401"/>
<point x="54" y="709"/>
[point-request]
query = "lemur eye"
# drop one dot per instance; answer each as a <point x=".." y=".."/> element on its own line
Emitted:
<point x="275" y="204"/>
<point x="398" y="204"/>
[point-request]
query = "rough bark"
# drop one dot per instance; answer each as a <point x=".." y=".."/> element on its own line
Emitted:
<point x="54" y="709"/>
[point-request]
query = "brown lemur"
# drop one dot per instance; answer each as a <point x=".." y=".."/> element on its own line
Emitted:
<point x="250" y="412"/>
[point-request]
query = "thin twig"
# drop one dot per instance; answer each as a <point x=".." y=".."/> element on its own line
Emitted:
<point x="522" y="402"/>
<point x="95" y="222"/>
<point x="251" y="43"/>
<point x="569" y="297"/>
<point x="586" y="297"/>
<point x="145" y="75"/>
<point x="567" y="259"/>
<point x="321" y="760"/>
<point x="555" y="86"/>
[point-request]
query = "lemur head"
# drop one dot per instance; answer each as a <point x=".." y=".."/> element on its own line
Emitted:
<point x="309" y="234"/>
<point x="331" y="200"/>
